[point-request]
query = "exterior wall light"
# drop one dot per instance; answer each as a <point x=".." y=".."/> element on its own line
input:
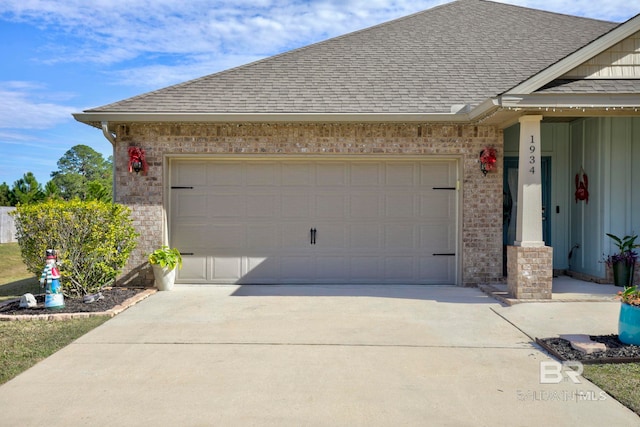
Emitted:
<point x="137" y="161"/>
<point x="488" y="160"/>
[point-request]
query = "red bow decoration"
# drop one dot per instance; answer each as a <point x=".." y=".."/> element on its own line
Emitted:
<point x="137" y="161"/>
<point x="488" y="159"/>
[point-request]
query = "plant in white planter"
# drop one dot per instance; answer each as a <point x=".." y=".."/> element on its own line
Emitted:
<point x="164" y="262"/>
<point x="629" y="323"/>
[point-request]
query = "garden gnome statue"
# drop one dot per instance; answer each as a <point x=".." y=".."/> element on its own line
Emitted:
<point x="50" y="279"/>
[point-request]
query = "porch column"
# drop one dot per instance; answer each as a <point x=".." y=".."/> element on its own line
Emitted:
<point x="529" y="261"/>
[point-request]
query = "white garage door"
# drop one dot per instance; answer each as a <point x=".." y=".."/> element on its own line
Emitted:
<point x="315" y="221"/>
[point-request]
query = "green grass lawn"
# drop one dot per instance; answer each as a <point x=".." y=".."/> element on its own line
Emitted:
<point x="23" y="344"/>
<point x="620" y="380"/>
<point x="15" y="280"/>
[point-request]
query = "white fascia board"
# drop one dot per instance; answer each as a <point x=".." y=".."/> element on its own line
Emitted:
<point x="578" y="57"/>
<point x="568" y="101"/>
<point x="124" y="117"/>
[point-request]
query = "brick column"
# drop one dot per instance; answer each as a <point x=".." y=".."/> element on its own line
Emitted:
<point x="530" y="272"/>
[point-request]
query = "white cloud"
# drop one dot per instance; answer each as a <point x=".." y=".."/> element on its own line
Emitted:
<point x="22" y="107"/>
<point x="160" y="42"/>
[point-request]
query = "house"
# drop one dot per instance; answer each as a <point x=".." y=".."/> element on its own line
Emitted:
<point x="358" y="159"/>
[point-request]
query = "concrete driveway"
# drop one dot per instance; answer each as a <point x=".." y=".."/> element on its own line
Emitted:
<point x="316" y="356"/>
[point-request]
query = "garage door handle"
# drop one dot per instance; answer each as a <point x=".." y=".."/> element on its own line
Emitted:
<point x="448" y="254"/>
<point x="313" y="236"/>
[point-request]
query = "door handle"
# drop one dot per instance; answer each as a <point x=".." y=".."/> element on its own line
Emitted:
<point x="313" y="236"/>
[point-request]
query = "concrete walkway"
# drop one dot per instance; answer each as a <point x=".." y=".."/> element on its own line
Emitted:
<point x="316" y="356"/>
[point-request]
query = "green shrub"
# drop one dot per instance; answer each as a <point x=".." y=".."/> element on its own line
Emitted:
<point x="93" y="239"/>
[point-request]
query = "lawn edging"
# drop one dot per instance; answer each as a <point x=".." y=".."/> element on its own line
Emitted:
<point x="67" y="316"/>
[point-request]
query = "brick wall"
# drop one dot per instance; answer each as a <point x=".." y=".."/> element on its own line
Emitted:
<point x="482" y="195"/>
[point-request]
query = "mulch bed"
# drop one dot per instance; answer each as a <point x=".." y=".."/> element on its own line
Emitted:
<point x="112" y="297"/>
<point x="617" y="351"/>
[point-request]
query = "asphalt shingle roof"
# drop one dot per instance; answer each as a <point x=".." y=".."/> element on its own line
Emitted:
<point x="459" y="53"/>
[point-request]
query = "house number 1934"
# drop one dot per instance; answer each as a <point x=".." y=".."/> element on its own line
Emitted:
<point x="532" y="157"/>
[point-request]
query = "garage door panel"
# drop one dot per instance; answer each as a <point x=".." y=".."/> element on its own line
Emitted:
<point x="295" y="236"/>
<point x="332" y="269"/>
<point x="402" y="174"/>
<point x="432" y="272"/>
<point x="332" y="174"/>
<point x="365" y="174"/>
<point x="263" y="205"/>
<point x="297" y="174"/>
<point x="227" y="268"/>
<point x="189" y="236"/>
<point x="437" y="238"/>
<point x="365" y="206"/>
<point x="437" y="204"/>
<point x="330" y="236"/>
<point x="225" y="236"/>
<point x="190" y="205"/>
<point x="226" y="206"/>
<point x="195" y="173"/>
<point x="365" y="269"/>
<point x="399" y="236"/>
<point x="194" y="269"/>
<point x="225" y="174"/>
<point x="263" y="237"/>
<point x="296" y="205"/>
<point x="365" y="237"/>
<point x="438" y="174"/>
<point x="399" y="268"/>
<point x="298" y="268"/>
<point x="399" y="205"/>
<point x="262" y="270"/>
<point x="264" y="174"/>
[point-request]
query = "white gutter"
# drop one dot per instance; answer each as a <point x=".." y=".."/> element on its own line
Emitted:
<point x="107" y="134"/>
<point x="112" y="139"/>
<point x="126" y="117"/>
<point x="570" y="101"/>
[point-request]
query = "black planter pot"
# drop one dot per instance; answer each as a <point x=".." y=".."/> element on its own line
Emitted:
<point x="623" y="273"/>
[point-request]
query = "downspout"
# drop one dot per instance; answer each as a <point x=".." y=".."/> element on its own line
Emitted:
<point x="112" y="139"/>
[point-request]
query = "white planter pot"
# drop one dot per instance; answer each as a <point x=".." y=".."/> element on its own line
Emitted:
<point x="165" y="278"/>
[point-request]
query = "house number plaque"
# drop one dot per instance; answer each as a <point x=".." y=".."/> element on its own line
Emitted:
<point x="533" y="156"/>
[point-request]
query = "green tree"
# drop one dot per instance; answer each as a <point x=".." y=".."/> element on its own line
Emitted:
<point x="51" y="191"/>
<point x="77" y="168"/>
<point x="97" y="191"/>
<point x="27" y="190"/>
<point x="6" y="196"/>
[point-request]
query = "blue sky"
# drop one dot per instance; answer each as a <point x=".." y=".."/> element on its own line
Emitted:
<point x="64" y="56"/>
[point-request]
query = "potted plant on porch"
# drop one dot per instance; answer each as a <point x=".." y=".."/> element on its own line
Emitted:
<point x="623" y="263"/>
<point x="164" y="262"/>
<point x="629" y="323"/>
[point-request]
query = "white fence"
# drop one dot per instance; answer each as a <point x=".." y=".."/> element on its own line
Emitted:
<point x="7" y="225"/>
